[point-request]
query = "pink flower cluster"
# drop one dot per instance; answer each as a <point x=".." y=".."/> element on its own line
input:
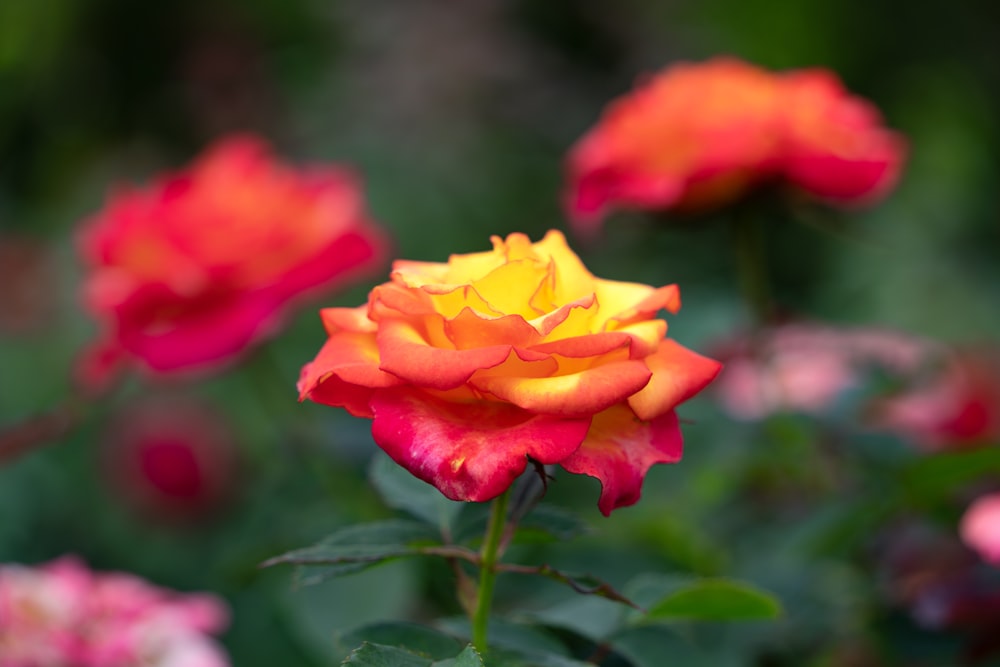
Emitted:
<point x="61" y="614"/>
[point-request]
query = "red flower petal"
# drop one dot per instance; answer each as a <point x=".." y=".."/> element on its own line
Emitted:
<point x="620" y="449"/>
<point x="473" y="451"/>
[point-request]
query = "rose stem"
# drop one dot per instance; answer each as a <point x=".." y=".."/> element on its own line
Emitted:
<point x="487" y="573"/>
<point x="751" y="266"/>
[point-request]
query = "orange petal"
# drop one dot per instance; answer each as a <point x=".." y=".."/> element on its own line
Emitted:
<point x="344" y="373"/>
<point x="471" y="451"/>
<point x="581" y="393"/>
<point x="590" y="345"/>
<point x="406" y="353"/>
<point x="471" y="329"/>
<point x="678" y="374"/>
<point x="347" y="319"/>
<point x="392" y="300"/>
<point x="620" y="449"/>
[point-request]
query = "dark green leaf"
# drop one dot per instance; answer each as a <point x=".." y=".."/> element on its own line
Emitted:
<point x="358" y="547"/>
<point x="415" y="638"/>
<point x="932" y="478"/>
<point x="401" y="490"/>
<point x="715" y="600"/>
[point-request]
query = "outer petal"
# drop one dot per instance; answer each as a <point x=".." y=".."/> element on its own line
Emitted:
<point x="347" y="319"/>
<point x="406" y="353"/>
<point x="654" y="300"/>
<point x="471" y="451"/>
<point x="678" y="374"/>
<point x="575" y="394"/>
<point x="344" y="373"/>
<point x="620" y="449"/>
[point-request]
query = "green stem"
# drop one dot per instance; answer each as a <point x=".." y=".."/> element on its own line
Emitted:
<point x="751" y="267"/>
<point x="488" y="572"/>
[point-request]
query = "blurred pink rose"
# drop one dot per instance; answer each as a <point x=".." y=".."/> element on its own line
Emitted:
<point x="980" y="527"/>
<point x="806" y="367"/>
<point x="62" y="614"/>
<point x="957" y="406"/>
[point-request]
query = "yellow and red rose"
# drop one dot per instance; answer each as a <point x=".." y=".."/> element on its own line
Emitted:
<point x="190" y="271"/>
<point x="472" y="367"/>
<point x="699" y="136"/>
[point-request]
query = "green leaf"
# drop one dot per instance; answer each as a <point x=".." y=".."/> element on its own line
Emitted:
<point x="401" y="490"/>
<point x="715" y="600"/>
<point x="371" y="654"/>
<point x="358" y="547"/>
<point x="379" y="655"/>
<point x="415" y="638"/>
<point x="931" y="478"/>
<point x="468" y="658"/>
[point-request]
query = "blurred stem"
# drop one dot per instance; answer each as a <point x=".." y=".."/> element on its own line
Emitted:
<point x="488" y="570"/>
<point x="50" y="426"/>
<point x="751" y="265"/>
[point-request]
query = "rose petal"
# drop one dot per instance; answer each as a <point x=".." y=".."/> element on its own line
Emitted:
<point x="347" y="319"/>
<point x="470" y="329"/>
<point x="663" y="298"/>
<point x="470" y="452"/>
<point x="620" y="449"/>
<point x="344" y="373"/>
<point x="678" y="374"/>
<point x="574" y="394"/>
<point x="406" y="353"/>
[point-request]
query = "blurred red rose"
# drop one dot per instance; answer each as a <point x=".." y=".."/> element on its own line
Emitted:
<point x="471" y="367"/>
<point x="171" y="458"/>
<point x="188" y="272"/>
<point x="699" y="136"/>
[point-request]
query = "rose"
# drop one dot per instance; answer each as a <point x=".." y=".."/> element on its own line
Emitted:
<point x="190" y="271"/>
<point x="834" y="147"/>
<point x="691" y="136"/>
<point x="470" y="368"/>
<point x="699" y="136"/>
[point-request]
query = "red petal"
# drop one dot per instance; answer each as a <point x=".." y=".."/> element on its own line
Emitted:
<point x="620" y="449"/>
<point x="469" y="451"/>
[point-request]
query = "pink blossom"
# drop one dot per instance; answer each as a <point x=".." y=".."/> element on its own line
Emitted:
<point x="61" y="614"/>
<point x="980" y="527"/>
<point x="806" y="367"/>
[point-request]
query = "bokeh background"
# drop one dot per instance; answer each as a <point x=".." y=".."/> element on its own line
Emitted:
<point x="458" y="117"/>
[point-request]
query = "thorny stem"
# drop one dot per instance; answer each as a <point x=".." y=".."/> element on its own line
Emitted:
<point x="488" y="571"/>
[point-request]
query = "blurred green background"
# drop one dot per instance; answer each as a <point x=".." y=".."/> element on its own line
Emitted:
<point x="458" y="117"/>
